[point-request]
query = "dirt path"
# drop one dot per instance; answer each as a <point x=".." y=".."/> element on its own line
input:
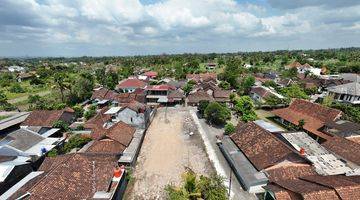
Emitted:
<point x="166" y="151"/>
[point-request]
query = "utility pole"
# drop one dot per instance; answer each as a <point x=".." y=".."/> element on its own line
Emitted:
<point x="230" y="184"/>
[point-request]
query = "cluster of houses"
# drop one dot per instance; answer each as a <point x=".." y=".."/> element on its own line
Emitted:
<point x="318" y="159"/>
<point x="116" y="131"/>
<point x="94" y="171"/>
<point x="343" y="88"/>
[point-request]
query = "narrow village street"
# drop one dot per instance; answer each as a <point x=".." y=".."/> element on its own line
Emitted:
<point x="167" y="151"/>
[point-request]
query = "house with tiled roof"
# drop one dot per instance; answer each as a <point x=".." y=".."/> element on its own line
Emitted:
<point x="151" y="74"/>
<point x="73" y="176"/>
<point x="265" y="160"/>
<point x="260" y="93"/>
<point x="194" y="98"/>
<point x="46" y="118"/>
<point x="20" y="150"/>
<point x="203" y="77"/>
<point x="102" y="96"/>
<point x="302" y="68"/>
<point x="348" y="93"/>
<point x="314" y="115"/>
<point x="134" y="113"/>
<point x="158" y="94"/>
<point x="130" y="85"/>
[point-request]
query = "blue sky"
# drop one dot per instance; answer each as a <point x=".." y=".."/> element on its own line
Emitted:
<point x="141" y="27"/>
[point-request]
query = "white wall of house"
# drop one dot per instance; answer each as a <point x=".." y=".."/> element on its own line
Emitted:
<point x="131" y="117"/>
<point x="257" y="97"/>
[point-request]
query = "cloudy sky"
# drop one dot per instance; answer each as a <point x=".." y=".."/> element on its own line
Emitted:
<point x="138" y="27"/>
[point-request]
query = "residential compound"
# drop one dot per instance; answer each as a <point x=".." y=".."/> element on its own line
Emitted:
<point x="316" y="160"/>
<point x="302" y="151"/>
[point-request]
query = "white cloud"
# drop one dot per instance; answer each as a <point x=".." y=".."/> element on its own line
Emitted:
<point x="161" y="24"/>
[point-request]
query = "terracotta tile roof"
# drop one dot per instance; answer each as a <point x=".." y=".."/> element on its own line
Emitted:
<point x="96" y="124"/>
<point x="52" y="162"/>
<point x="345" y="148"/>
<point x="345" y="188"/>
<point x="120" y="132"/>
<point x="355" y="139"/>
<point x="131" y="83"/>
<point x="45" y="118"/>
<point x="151" y="73"/>
<point x="99" y="93"/>
<point x="198" y="96"/>
<point x="106" y="146"/>
<point x="136" y="106"/>
<point x="260" y="146"/>
<point x="294" y="65"/>
<point x="261" y="91"/>
<point x="308" y="190"/>
<point x="315" y="115"/>
<point x="162" y="87"/>
<point x="222" y="94"/>
<point x="282" y="193"/>
<point x="202" y="77"/>
<point x="176" y="94"/>
<point x="289" y="170"/>
<point x="78" y="176"/>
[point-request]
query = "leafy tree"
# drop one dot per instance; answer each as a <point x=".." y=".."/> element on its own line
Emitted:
<point x="246" y="84"/>
<point x="90" y="112"/>
<point x="100" y="75"/>
<point x="216" y="113"/>
<point x="290" y="73"/>
<point x="125" y="72"/>
<point x="36" y="81"/>
<point x="52" y="153"/>
<point x="193" y="188"/>
<point x="245" y="107"/>
<point x="6" y="79"/>
<point x="202" y="106"/>
<point x="61" y="82"/>
<point x="188" y="87"/>
<point x="4" y="105"/>
<point x="273" y="100"/>
<point x="82" y="88"/>
<point x="76" y="141"/>
<point x="61" y="125"/>
<point x="224" y="85"/>
<point x="229" y="128"/>
<point x="112" y="80"/>
<point x="179" y="71"/>
<point x="16" y="88"/>
<point x="294" y="91"/>
<point x="301" y="124"/>
<point x="270" y="83"/>
<point x="328" y="100"/>
<point x="79" y="111"/>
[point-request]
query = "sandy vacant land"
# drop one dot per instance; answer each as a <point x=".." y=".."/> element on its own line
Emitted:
<point x="166" y="152"/>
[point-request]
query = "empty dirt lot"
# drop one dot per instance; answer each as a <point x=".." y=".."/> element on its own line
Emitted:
<point x="166" y="152"/>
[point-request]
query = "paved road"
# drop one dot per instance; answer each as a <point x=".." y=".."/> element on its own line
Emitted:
<point x="220" y="163"/>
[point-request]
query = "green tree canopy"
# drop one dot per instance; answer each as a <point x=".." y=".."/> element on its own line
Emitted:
<point x="216" y="113"/>
<point x="245" y="107"/>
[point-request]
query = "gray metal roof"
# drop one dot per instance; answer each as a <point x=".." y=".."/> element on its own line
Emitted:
<point x="13" y="120"/>
<point x="245" y="172"/>
<point x="348" y="88"/>
<point x="22" y="139"/>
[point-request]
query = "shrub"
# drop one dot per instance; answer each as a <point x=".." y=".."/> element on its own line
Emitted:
<point x="229" y="128"/>
<point x="61" y="125"/>
<point x="52" y="153"/>
<point x="16" y="88"/>
<point x="76" y="141"/>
